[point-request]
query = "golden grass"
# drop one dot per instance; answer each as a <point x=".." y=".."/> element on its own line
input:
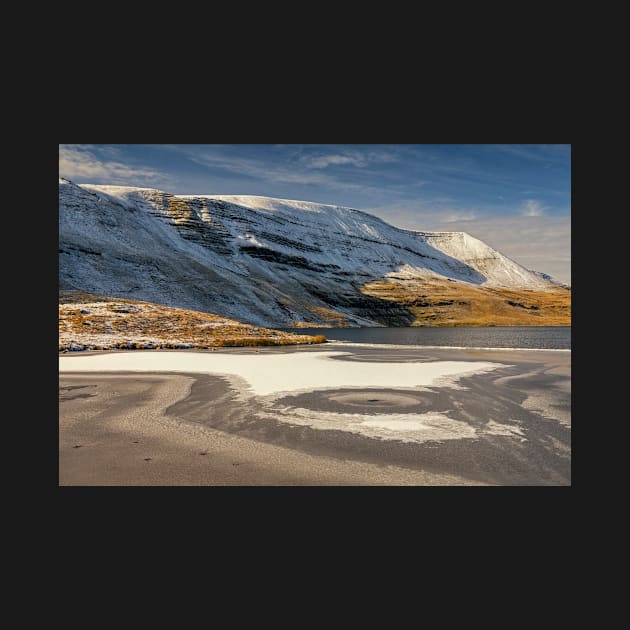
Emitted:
<point x="436" y="302"/>
<point x="330" y="316"/>
<point x="88" y="321"/>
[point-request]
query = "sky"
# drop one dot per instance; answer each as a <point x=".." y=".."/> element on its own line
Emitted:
<point x="515" y="197"/>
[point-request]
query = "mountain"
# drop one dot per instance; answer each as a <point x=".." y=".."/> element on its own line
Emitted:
<point x="276" y="262"/>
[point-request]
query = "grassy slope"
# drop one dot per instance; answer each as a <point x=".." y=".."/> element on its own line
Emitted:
<point x="88" y="321"/>
<point x="445" y="303"/>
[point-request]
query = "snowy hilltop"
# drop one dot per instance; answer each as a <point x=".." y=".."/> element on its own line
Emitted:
<point x="269" y="262"/>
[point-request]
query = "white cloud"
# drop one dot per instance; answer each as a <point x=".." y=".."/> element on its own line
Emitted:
<point x="323" y="161"/>
<point x="359" y="159"/>
<point x="453" y="217"/>
<point x="532" y="208"/>
<point x="79" y="162"/>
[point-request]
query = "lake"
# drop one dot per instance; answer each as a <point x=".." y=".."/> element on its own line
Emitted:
<point x="548" y="337"/>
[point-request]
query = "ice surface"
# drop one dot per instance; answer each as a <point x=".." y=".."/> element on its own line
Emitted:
<point x="268" y="374"/>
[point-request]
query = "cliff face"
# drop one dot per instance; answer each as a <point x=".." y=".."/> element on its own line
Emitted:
<point x="275" y="262"/>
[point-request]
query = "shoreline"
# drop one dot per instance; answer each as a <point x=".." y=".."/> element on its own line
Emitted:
<point x="308" y="347"/>
<point x="392" y="346"/>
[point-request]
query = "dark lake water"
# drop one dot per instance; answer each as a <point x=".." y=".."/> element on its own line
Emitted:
<point x="555" y="337"/>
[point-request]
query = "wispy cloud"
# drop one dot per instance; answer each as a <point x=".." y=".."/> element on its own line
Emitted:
<point x="549" y="153"/>
<point x="81" y="162"/>
<point x="459" y="216"/>
<point x="360" y="159"/>
<point x="532" y="208"/>
<point x="258" y="169"/>
<point x="300" y="170"/>
<point x="323" y="161"/>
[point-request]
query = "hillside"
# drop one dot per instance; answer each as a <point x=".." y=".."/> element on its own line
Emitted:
<point x="274" y="262"/>
<point x="95" y="322"/>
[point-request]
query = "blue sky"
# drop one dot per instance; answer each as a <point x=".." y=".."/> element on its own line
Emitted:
<point x="515" y="197"/>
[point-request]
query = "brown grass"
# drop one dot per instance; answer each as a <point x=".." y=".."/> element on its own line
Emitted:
<point x="332" y="317"/>
<point x="436" y="302"/>
<point x="88" y="321"/>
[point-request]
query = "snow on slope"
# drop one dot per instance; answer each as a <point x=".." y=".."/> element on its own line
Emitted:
<point x="459" y="247"/>
<point x="261" y="260"/>
<point x="499" y="270"/>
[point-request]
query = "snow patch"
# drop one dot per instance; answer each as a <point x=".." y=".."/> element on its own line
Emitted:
<point x="418" y="428"/>
<point x="275" y="374"/>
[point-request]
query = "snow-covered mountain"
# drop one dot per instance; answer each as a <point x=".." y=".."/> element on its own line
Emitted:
<point x="265" y="261"/>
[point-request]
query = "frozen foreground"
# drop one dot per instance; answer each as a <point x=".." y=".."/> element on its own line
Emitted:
<point x="404" y="416"/>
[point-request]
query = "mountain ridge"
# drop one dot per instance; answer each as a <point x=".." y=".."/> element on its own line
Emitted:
<point x="267" y="261"/>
